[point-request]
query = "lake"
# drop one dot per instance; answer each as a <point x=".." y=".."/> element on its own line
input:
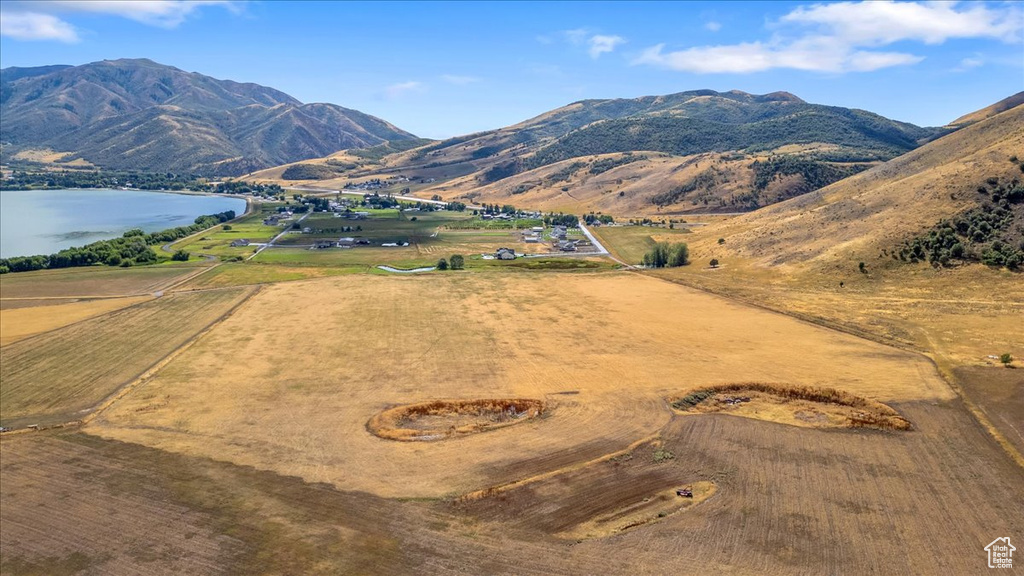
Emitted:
<point x="46" y="221"/>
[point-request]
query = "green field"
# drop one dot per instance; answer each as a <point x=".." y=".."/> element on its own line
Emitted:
<point x="247" y="273"/>
<point x="630" y="243"/>
<point x="217" y="241"/>
<point x="430" y="235"/>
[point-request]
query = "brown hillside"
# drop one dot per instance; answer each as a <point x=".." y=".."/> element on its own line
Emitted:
<point x="989" y="111"/>
<point x="856" y="218"/>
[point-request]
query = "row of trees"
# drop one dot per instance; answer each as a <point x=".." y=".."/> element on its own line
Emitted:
<point x="666" y="255"/>
<point x="46" y="179"/>
<point x="601" y="218"/>
<point x="567" y="220"/>
<point x="132" y="248"/>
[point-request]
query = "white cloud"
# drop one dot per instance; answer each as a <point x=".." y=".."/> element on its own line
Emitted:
<point x="969" y="63"/>
<point x="35" y="26"/>
<point x="595" y="44"/>
<point x="402" y="88"/>
<point x="599" y="44"/>
<point x="884" y="22"/>
<point x="713" y="26"/>
<point x="162" y="13"/>
<point x="44" y="20"/>
<point x="459" y="80"/>
<point x="844" y="37"/>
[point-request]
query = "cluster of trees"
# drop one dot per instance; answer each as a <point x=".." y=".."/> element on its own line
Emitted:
<point x="497" y="209"/>
<point x="42" y="179"/>
<point x="606" y="164"/>
<point x="816" y="174"/>
<point x="265" y="190"/>
<point x="455" y="262"/>
<point x="310" y="172"/>
<point x="375" y="153"/>
<point x="504" y="170"/>
<point x="984" y="234"/>
<point x="132" y="248"/>
<point x="703" y="181"/>
<point x="602" y="218"/>
<point x="567" y="220"/>
<point x="666" y="255"/>
<point x="565" y="173"/>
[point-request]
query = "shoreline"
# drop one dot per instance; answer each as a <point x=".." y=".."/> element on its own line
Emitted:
<point x="246" y="211"/>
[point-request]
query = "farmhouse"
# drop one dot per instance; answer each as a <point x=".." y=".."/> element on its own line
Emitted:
<point x="271" y="221"/>
<point x="505" y="254"/>
<point x="559" y="232"/>
<point x="567" y="245"/>
<point x="321" y="244"/>
<point x="239" y="242"/>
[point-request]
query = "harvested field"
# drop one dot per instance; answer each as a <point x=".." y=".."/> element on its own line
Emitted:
<point x="444" y="419"/>
<point x="794" y="405"/>
<point x="92" y="281"/>
<point x="647" y="511"/>
<point x="340" y="350"/>
<point x="61" y="375"/>
<point x="999" y="393"/>
<point x="19" y="323"/>
<point x="68" y="508"/>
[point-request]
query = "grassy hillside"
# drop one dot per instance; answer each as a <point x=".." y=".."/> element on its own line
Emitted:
<point x="863" y="217"/>
<point x="692" y="151"/>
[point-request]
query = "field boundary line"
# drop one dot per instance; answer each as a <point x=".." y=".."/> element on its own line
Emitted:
<point x="187" y="279"/>
<point x="946" y="375"/>
<point x="77" y="322"/>
<point x="148" y="374"/>
<point x="484" y="492"/>
<point x="145" y="375"/>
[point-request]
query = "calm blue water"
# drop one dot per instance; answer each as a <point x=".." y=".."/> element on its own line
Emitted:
<point x="45" y="221"/>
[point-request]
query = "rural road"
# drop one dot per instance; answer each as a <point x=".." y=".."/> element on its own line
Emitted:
<point x="275" y="238"/>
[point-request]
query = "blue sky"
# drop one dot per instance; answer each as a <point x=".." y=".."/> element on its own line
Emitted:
<point x="442" y="69"/>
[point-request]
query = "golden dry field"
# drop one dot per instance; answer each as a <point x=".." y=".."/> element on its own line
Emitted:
<point x="63" y="374"/>
<point x="324" y="356"/>
<point x="22" y="322"/>
<point x="248" y="452"/>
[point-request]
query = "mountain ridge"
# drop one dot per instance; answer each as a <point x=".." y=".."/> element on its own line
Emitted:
<point x="697" y="150"/>
<point x="103" y="112"/>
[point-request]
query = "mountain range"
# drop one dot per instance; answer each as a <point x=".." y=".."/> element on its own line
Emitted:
<point x="698" y="150"/>
<point x="138" y="114"/>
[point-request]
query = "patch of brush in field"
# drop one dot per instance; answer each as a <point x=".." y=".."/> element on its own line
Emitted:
<point x="439" y="419"/>
<point x="866" y="413"/>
